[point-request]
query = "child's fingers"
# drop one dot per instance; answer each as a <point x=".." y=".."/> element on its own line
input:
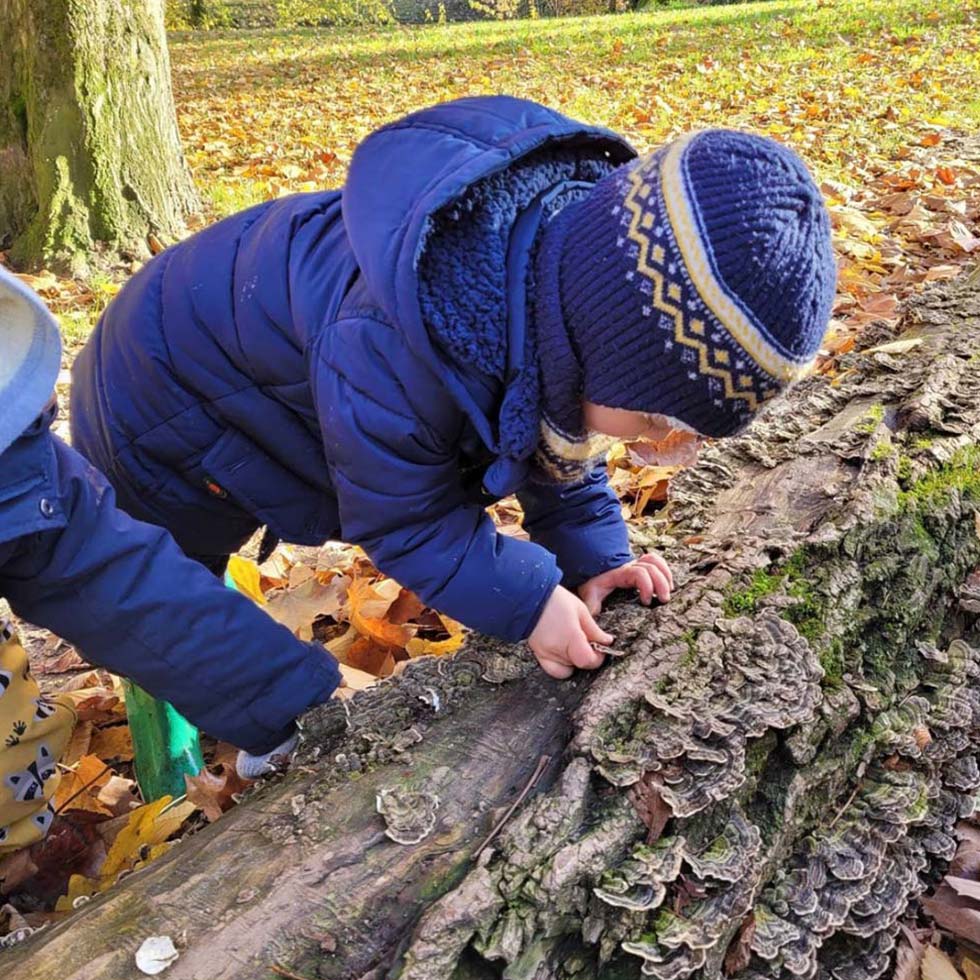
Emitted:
<point x="592" y="632"/>
<point x="652" y="558"/>
<point x="642" y="581"/>
<point x="660" y="580"/>
<point x="583" y="655"/>
<point x="554" y="668"/>
<point x="592" y="595"/>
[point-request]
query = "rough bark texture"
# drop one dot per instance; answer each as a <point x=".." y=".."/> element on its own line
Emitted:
<point x="781" y="755"/>
<point x="90" y="158"/>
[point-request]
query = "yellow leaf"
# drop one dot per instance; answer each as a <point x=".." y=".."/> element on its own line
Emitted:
<point x="433" y="648"/>
<point x="78" y="886"/>
<point x="246" y="575"/>
<point x="148" y="826"/>
<point x="417" y="647"/>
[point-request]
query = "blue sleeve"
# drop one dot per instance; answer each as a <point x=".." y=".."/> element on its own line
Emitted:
<point x="128" y="598"/>
<point x="390" y="431"/>
<point x="581" y="524"/>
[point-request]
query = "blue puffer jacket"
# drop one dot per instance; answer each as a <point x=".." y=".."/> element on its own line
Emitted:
<point x="281" y="358"/>
<point x="122" y="591"/>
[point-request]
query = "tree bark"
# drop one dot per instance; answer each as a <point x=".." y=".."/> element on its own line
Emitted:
<point x="90" y="157"/>
<point x="777" y="762"/>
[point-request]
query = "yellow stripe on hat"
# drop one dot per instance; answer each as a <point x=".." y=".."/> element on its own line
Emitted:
<point x="714" y="295"/>
<point x="687" y="330"/>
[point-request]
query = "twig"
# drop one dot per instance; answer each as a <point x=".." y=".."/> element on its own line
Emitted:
<point x="283" y="972"/>
<point x="535" y="776"/>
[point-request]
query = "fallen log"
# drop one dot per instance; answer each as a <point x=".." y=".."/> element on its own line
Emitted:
<point x="770" y="775"/>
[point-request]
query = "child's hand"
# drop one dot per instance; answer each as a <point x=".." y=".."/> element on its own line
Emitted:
<point x="563" y="638"/>
<point x="649" y="575"/>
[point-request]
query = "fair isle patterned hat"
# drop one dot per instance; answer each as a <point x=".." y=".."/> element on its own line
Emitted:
<point x="696" y="282"/>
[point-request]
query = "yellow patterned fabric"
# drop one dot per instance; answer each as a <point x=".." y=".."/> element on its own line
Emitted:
<point x="34" y="732"/>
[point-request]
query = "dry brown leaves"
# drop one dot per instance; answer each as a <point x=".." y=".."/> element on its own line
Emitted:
<point x="367" y="620"/>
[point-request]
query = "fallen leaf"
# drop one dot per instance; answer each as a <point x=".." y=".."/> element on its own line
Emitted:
<point x="79" y="788"/>
<point x="15" y="869"/>
<point x="115" y="743"/>
<point x="213" y="793"/>
<point x="78" y="744"/>
<point x="356" y="680"/>
<point x="650" y="806"/>
<point x="98" y="705"/>
<point x="908" y="958"/>
<point x="936" y="965"/>
<point x="368" y="605"/>
<point x="964" y="886"/>
<point x="956" y="915"/>
<point x="297" y="609"/>
<point x="895" y="346"/>
<point x="148" y="826"/>
<point x="970" y="968"/>
<point x="739" y="953"/>
<point x="247" y="578"/>
<point x="118" y="794"/>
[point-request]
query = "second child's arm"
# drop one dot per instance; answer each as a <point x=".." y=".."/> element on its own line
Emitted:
<point x="125" y="594"/>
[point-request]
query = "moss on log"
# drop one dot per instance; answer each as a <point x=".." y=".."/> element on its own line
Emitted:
<point x="782" y="755"/>
<point x="90" y="158"/>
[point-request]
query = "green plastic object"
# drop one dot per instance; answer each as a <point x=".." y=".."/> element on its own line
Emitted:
<point x="166" y="746"/>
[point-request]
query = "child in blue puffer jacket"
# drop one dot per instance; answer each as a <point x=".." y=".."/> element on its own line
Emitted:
<point x="121" y="591"/>
<point x="495" y="292"/>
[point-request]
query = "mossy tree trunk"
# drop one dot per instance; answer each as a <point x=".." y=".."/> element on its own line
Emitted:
<point x="775" y="767"/>
<point x="90" y="158"/>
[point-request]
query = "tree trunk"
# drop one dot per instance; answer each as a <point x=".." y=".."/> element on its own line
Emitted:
<point x="90" y="157"/>
<point x="785" y="747"/>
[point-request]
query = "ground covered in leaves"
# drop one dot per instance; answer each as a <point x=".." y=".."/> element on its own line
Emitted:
<point x="878" y="96"/>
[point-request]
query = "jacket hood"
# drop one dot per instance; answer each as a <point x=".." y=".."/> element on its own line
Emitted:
<point x="30" y="357"/>
<point x="406" y="172"/>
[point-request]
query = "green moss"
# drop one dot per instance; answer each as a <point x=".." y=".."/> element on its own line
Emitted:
<point x="832" y="660"/>
<point x="961" y="473"/>
<point x="746" y="601"/>
<point x="793" y="577"/>
<point x="904" y="469"/>
<point x="884" y="450"/>
<point x="872" y="419"/>
<point x="691" y="639"/>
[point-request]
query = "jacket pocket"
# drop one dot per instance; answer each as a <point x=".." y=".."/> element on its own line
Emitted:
<point x="289" y="506"/>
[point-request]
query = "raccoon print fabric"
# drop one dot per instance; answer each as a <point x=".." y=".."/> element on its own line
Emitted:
<point x="34" y="732"/>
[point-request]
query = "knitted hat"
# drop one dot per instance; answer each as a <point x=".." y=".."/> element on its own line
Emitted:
<point x="695" y="282"/>
<point x="30" y="357"/>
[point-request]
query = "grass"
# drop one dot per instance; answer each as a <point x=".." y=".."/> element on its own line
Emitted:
<point x="846" y="82"/>
<point x="858" y="87"/>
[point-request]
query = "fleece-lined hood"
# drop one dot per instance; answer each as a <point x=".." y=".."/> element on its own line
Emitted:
<point x="30" y="357"/>
<point x="404" y="174"/>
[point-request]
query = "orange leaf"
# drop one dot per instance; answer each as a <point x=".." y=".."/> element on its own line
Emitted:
<point x="113" y="743"/>
<point x="213" y="792"/>
<point x="369" y="604"/>
<point x="79" y="788"/>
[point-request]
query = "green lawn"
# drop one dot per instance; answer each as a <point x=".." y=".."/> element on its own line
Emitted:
<point x="849" y="83"/>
